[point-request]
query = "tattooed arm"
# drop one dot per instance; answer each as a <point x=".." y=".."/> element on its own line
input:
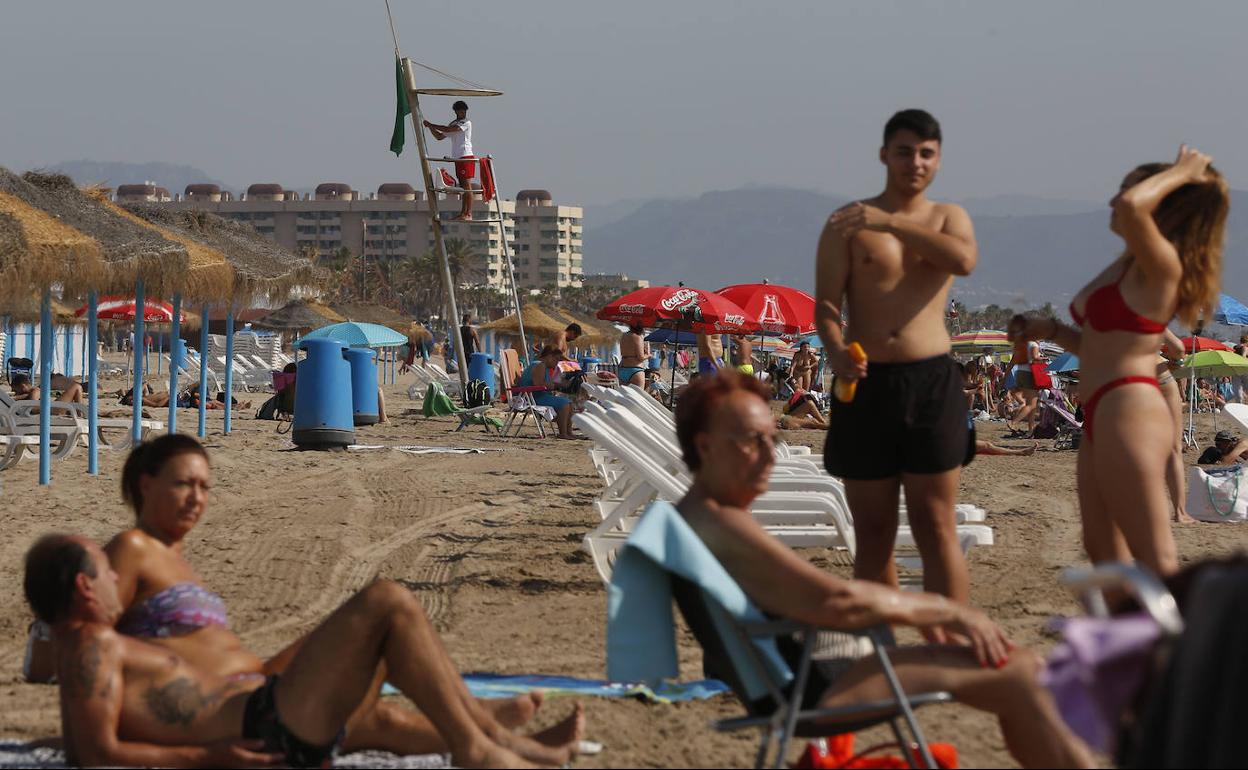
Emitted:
<point x="92" y="689"/>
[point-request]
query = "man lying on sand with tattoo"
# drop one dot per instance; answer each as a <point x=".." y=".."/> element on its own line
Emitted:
<point x="127" y="702"/>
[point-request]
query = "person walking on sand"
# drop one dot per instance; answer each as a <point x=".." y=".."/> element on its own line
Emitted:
<point x="1172" y="220"/>
<point x="460" y="132"/>
<point x="889" y="261"/>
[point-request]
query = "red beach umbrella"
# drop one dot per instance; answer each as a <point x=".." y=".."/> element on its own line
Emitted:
<point x="680" y="307"/>
<point x="1201" y="344"/>
<point x="123" y="309"/>
<point x="779" y="309"/>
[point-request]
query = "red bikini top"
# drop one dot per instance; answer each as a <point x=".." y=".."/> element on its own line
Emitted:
<point x="1107" y="311"/>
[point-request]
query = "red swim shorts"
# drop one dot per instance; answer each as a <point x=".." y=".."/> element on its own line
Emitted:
<point x="466" y="169"/>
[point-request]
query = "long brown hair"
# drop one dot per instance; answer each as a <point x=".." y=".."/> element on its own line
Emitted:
<point x="1193" y="219"/>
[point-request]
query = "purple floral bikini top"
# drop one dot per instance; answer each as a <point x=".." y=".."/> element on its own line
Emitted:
<point x="179" y="609"/>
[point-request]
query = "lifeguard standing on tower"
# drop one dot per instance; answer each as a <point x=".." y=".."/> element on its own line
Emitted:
<point x="460" y="133"/>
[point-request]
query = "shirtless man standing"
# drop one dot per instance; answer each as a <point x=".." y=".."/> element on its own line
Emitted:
<point x="126" y="702"/>
<point x="710" y="354"/>
<point x="892" y="259"/>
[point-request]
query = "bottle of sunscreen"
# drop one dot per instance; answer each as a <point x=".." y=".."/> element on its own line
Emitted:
<point x="845" y="387"/>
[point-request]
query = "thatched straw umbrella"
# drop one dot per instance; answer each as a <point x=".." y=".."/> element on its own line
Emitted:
<point x="38" y="250"/>
<point x="261" y="267"/>
<point x="299" y="316"/>
<point x="594" y="333"/>
<point x="135" y="258"/>
<point x="536" y="322"/>
<point x="131" y="253"/>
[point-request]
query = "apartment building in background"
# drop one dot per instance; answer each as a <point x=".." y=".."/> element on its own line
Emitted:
<point x="617" y="282"/>
<point x="548" y="241"/>
<point x="393" y="224"/>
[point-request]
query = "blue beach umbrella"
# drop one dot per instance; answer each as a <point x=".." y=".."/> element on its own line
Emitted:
<point x="357" y="334"/>
<point x="672" y="336"/>
<point x="1230" y="311"/>
<point x="1066" y="362"/>
<point x="814" y="341"/>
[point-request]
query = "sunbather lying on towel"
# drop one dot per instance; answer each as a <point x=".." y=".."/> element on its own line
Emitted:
<point x="727" y="435"/>
<point x="165" y="604"/>
<point x="129" y="702"/>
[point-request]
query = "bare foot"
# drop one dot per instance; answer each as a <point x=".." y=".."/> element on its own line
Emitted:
<point x="1181" y="517"/>
<point x="1029" y="451"/>
<point x="488" y="754"/>
<point x="567" y="733"/>
<point x="515" y="712"/>
<point x="553" y="746"/>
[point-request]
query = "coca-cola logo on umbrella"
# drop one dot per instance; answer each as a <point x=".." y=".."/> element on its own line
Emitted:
<point x="633" y="309"/>
<point x="680" y="299"/>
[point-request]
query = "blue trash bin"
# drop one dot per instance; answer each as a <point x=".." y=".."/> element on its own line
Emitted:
<point x="590" y="363"/>
<point x="178" y="355"/>
<point x="364" y="407"/>
<point x="323" y="397"/>
<point x="481" y="367"/>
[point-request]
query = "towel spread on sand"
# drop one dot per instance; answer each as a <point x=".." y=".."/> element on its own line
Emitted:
<point x="416" y="449"/>
<point x="504" y="686"/>
<point x="16" y="753"/>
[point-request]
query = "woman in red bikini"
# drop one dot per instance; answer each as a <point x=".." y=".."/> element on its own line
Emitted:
<point x="1172" y="217"/>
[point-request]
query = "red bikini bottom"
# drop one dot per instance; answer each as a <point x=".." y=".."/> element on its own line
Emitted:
<point x="1089" y="406"/>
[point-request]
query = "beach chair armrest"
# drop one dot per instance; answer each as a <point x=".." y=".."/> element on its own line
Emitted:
<point x="528" y="388"/>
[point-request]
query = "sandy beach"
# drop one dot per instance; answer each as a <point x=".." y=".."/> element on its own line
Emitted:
<point x="491" y="543"/>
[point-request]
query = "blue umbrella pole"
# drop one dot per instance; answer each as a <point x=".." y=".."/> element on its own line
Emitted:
<point x="93" y="387"/>
<point x="229" y="367"/>
<point x="203" y="373"/>
<point x="174" y="335"/>
<point x="136" y="426"/>
<point x="45" y="388"/>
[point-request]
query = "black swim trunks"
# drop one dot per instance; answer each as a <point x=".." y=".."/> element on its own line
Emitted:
<point x="905" y="418"/>
<point x="262" y="722"/>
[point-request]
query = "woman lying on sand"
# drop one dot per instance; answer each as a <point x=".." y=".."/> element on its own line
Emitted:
<point x="166" y="481"/>
<point x="727" y="436"/>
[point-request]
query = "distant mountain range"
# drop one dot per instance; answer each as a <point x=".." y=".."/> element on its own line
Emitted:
<point x="171" y="176"/>
<point x="1041" y="253"/>
<point x="1032" y="249"/>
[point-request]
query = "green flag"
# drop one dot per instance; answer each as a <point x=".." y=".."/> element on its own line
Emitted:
<point x="402" y="108"/>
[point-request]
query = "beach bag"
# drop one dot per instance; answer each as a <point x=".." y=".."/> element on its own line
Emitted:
<point x="268" y="410"/>
<point x="476" y="394"/>
<point x="1217" y="494"/>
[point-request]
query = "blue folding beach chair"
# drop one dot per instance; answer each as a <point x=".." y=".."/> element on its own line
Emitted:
<point x="664" y="560"/>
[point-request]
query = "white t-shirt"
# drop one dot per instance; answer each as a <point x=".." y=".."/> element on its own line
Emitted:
<point x="461" y="140"/>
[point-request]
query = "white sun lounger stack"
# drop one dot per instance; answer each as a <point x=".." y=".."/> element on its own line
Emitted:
<point x="639" y="460"/>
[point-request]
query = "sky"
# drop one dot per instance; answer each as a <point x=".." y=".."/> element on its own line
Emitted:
<point x="606" y="101"/>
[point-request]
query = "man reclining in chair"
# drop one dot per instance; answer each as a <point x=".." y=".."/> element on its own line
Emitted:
<point x="130" y="703"/>
<point x="727" y="435"/>
<point x="67" y="388"/>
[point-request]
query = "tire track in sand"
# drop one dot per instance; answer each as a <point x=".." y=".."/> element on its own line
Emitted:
<point x="358" y="566"/>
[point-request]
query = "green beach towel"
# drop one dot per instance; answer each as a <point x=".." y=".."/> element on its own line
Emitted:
<point x="437" y="403"/>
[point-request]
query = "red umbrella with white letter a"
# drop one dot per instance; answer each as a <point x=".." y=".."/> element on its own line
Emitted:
<point x="778" y="309"/>
<point x="123" y="309"/>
